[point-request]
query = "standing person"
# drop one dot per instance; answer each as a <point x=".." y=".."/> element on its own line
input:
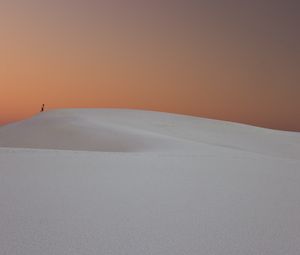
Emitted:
<point x="43" y="108"/>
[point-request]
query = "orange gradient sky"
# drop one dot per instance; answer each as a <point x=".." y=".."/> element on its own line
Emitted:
<point x="234" y="60"/>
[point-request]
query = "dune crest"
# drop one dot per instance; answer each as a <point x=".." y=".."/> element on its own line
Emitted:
<point x="115" y="130"/>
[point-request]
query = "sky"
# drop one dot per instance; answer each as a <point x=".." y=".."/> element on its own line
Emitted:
<point x="233" y="60"/>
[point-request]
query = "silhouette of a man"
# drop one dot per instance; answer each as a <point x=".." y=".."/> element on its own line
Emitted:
<point x="43" y="108"/>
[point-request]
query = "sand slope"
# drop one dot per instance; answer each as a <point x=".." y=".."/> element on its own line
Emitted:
<point x="138" y="131"/>
<point x="138" y="182"/>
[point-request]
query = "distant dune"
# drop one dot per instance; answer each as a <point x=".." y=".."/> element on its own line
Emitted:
<point x="111" y="181"/>
<point x="138" y="131"/>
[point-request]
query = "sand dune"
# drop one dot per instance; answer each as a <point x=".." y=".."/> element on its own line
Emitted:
<point x="90" y="181"/>
<point x="138" y="131"/>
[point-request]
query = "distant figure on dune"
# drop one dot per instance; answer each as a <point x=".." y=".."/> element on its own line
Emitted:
<point x="43" y="107"/>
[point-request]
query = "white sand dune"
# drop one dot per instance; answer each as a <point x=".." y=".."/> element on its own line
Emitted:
<point x="137" y="131"/>
<point x="90" y="181"/>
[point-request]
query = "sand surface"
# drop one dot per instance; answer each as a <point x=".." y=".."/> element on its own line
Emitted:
<point x="91" y="181"/>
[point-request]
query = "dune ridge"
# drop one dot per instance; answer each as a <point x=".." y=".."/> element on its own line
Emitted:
<point x="116" y="130"/>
